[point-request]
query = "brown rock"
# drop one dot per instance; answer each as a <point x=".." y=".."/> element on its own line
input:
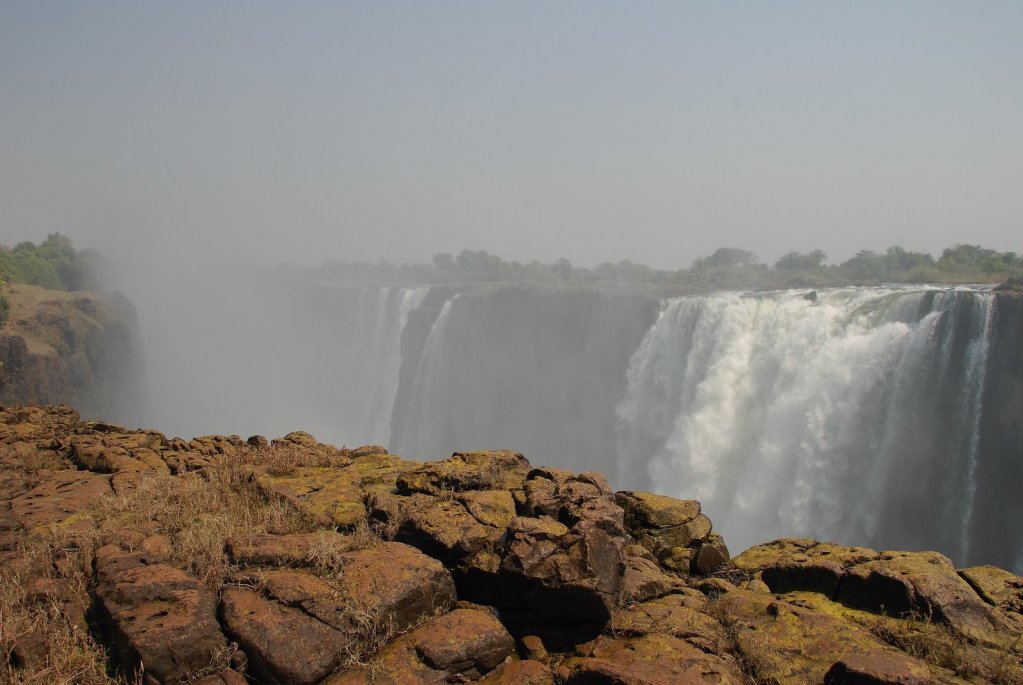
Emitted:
<point x="790" y="643"/>
<point x="520" y="673"/>
<point x="712" y="555"/>
<point x="464" y="641"/>
<point x="921" y="583"/>
<point x="655" y="659"/>
<point x="299" y="549"/>
<point x="226" y="677"/>
<point x="644" y="580"/>
<point x="490" y="507"/>
<point x="678" y="615"/>
<point x="368" y="450"/>
<point x="331" y="497"/>
<point x="661" y="523"/>
<point x="457" y="647"/>
<point x="62" y="499"/>
<point x="647" y="510"/>
<point x="997" y="587"/>
<point x="283" y="645"/>
<point x="802" y="564"/>
<point x="157" y="616"/>
<point x="877" y="669"/>
<point x="395" y="585"/>
<point x="494" y="470"/>
<point x="447" y="531"/>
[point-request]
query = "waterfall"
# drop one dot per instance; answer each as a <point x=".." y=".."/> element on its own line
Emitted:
<point x="369" y="359"/>
<point x="884" y="417"/>
<point x="855" y="416"/>
<point x="426" y="418"/>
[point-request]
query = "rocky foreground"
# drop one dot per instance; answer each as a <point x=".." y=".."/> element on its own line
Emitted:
<point x="131" y="557"/>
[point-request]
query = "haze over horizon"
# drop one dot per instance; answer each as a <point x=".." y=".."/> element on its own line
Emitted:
<point x="253" y="131"/>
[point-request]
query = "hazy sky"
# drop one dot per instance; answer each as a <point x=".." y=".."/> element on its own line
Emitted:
<point x="651" y="131"/>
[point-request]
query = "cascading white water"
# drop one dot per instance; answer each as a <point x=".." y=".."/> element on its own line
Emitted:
<point x="370" y="360"/>
<point x="427" y="418"/>
<point x="787" y="416"/>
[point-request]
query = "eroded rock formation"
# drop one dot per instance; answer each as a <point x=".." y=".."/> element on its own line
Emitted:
<point x="220" y="560"/>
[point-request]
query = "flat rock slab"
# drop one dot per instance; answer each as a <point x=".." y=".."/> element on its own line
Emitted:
<point x="61" y="499"/>
<point x="676" y="615"/>
<point x="520" y="673"/>
<point x="299" y="549"/>
<point x="284" y="645"/>
<point x="395" y="584"/>
<point x="792" y="644"/>
<point x="160" y="617"/>
<point x="655" y="659"/>
<point x="331" y="497"/>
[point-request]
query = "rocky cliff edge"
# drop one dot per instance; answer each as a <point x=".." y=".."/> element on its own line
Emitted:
<point x="130" y="557"/>
<point x="80" y="348"/>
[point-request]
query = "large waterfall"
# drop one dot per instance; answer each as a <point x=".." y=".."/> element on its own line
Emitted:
<point x="854" y="416"/>
<point x="887" y="417"/>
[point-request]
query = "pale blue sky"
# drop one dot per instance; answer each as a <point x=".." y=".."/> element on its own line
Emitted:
<point x="598" y="131"/>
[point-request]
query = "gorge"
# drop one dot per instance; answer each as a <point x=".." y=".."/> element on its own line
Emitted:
<point x="884" y="416"/>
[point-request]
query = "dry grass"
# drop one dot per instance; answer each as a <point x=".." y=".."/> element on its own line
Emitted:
<point x="199" y="512"/>
<point x="53" y="648"/>
<point x="758" y="671"/>
<point x="936" y="644"/>
<point x="283" y="459"/>
<point x="327" y="555"/>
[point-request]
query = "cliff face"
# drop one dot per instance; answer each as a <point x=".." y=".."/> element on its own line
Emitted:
<point x="77" y="348"/>
<point x="221" y="561"/>
<point x="1002" y="434"/>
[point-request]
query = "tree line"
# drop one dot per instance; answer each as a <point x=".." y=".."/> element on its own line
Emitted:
<point x="726" y="267"/>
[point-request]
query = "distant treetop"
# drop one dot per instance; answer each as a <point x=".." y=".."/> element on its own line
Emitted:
<point x="54" y="263"/>
<point x="726" y="267"/>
